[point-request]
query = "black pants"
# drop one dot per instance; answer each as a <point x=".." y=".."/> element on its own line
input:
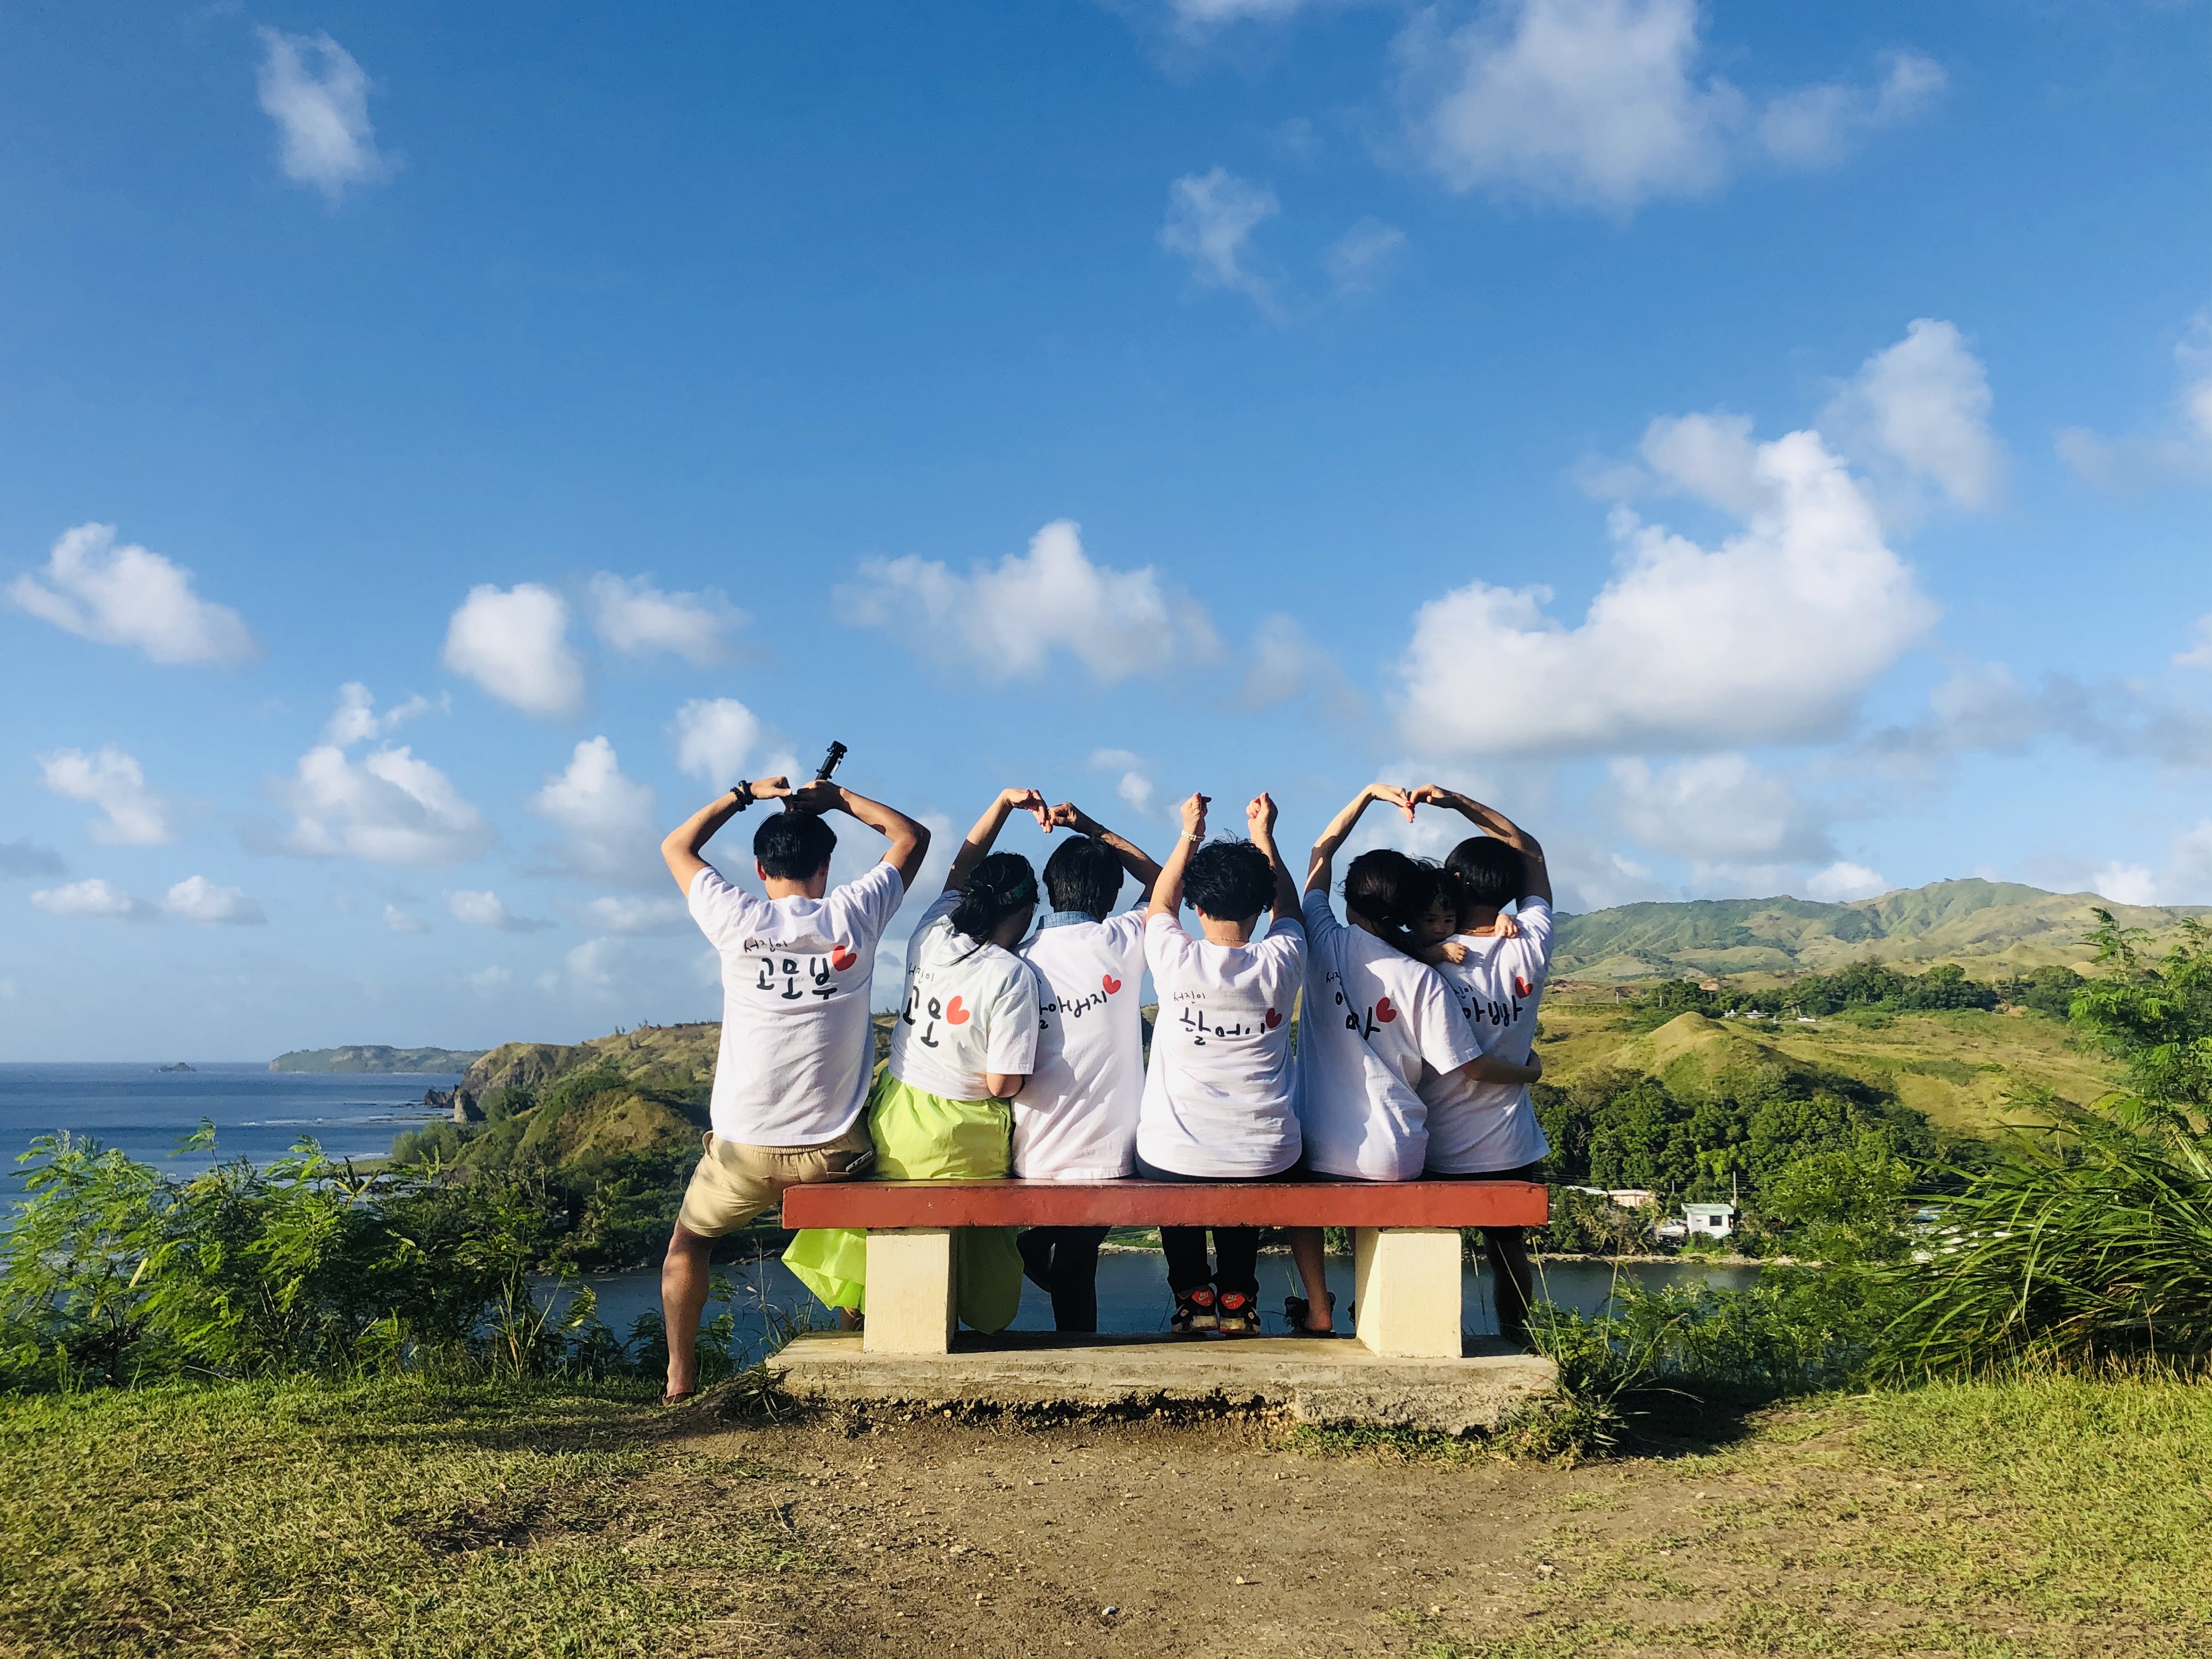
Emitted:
<point x="1512" y="1276"/>
<point x="1064" y="1261"/>
<point x="1236" y="1254"/>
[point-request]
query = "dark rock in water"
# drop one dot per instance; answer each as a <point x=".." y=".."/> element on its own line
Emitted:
<point x="178" y="1067"/>
<point x="457" y="1100"/>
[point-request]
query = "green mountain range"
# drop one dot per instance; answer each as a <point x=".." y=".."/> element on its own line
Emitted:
<point x="367" y="1057"/>
<point x="1986" y="927"/>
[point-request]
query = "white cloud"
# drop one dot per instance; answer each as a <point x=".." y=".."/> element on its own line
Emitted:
<point x="128" y="596"/>
<point x="116" y="783"/>
<point x="1210" y="14"/>
<point x="1925" y="404"/>
<point x="2125" y="883"/>
<point x="479" y="908"/>
<point x="1005" y="623"/>
<point x="198" y="899"/>
<point x="488" y="981"/>
<point x="93" y="898"/>
<point x="637" y="617"/>
<point x="1771" y="636"/>
<point x="714" y="737"/>
<point x="514" y="644"/>
<point x="590" y="970"/>
<point x="355" y="720"/>
<point x="1360" y="257"/>
<point x="2183" y="451"/>
<point x="612" y="822"/>
<point x="321" y="113"/>
<point x="1211" y="219"/>
<point x="1985" y="707"/>
<point x="2198" y="654"/>
<point x="1842" y="881"/>
<point x="1720" y="809"/>
<point x="1286" y="664"/>
<point x="1598" y="103"/>
<point x="400" y="922"/>
<point x="27" y="858"/>
<point x="388" y="808"/>
<point x="1134" y="787"/>
<point x="613" y="914"/>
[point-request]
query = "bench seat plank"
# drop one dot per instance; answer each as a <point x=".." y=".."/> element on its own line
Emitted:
<point x="870" y="1205"/>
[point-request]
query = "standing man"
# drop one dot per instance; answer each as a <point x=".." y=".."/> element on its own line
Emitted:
<point x="797" y="1049"/>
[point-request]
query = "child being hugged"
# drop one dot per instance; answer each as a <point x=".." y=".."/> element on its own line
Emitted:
<point x="1483" y="1126"/>
<point x="1076" y="1118"/>
<point x="1218" y="1102"/>
<point x="1376" y="1023"/>
<point x="962" y="1045"/>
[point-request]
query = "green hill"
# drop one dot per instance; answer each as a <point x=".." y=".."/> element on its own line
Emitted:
<point x="375" y="1057"/>
<point x="1983" y="925"/>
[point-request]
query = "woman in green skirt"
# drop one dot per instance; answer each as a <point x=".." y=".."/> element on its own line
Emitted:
<point x="961" y="1049"/>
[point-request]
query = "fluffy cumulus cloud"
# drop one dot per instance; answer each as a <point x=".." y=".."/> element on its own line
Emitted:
<point x="1134" y="788"/>
<point x="318" y="96"/>
<point x="115" y="781"/>
<point x="1006" y="622"/>
<point x="127" y="595"/>
<point x="714" y="737"/>
<point x="610" y="823"/>
<point x="1715" y="809"/>
<point x="636" y="618"/>
<point x="355" y="720"/>
<point x="400" y="922"/>
<point x="1923" y="404"/>
<point x="2182" y="451"/>
<point x="1600" y="103"/>
<point x="1984" y="706"/>
<point x="481" y="907"/>
<point x="27" y="858"/>
<point x="1211" y="219"/>
<point x="198" y="899"/>
<point x="514" y="642"/>
<point x="1771" y="636"/>
<point x="2198" y="654"/>
<point x="1363" y="255"/>
<point x="618" y="914"/>
<point x="93" y="897"/>
<point x="1843" y="881"/>
<point x="388" y="807"/>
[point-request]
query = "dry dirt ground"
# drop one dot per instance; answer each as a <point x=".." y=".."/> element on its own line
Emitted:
<point x="1238" y="1538"/>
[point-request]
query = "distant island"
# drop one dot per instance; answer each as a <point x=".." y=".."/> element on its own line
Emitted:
<point x="376" y="1057"/>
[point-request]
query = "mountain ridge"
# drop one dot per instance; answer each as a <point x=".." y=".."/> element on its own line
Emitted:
<point x="1975" y="922"/>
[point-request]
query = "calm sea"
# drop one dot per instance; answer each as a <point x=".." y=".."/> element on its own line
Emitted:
<point x="258" y="1113"/>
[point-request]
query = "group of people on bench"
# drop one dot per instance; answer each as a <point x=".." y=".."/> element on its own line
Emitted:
<point x="1020" y="1050"/>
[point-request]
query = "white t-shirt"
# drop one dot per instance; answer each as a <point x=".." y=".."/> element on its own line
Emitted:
<point x="1375" y="1022"/>
<point x="796" y="1050"/>
<point x="1219" y="1099"/>
<point x="1474" y="1127"/>
<point x="1076" y="1120"/>
<point x="969" y="1009"/>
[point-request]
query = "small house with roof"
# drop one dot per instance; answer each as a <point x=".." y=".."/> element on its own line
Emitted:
<point x="1713" y="1220"/>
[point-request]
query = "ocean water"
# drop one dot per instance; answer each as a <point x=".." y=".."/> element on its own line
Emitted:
<point x="257" y="1114"/>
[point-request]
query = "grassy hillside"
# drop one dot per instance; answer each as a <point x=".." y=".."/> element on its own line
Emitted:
<point x="374" y="1057"/>
<point x="1988" y="926"/>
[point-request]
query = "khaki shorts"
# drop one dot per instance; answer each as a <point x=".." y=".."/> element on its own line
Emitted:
<point x="734" y="1182"/>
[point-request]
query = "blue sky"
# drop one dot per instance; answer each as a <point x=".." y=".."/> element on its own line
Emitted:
<point x="1763" y="449"/>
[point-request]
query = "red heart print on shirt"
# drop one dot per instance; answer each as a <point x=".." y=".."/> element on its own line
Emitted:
<point x="1521" y="987"/>
<point x="1111" y="984"/>
<point x="1273" y="1019"/>
<point x="1383" y="1011"/>
<point x="956" y="1012"/>
<point x="841" y="958"/>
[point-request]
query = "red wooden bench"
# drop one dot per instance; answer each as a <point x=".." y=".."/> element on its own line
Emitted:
<point x="1405" y="1264"/>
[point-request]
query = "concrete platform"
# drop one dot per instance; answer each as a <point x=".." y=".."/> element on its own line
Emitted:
<point x="1321" y="1380"/>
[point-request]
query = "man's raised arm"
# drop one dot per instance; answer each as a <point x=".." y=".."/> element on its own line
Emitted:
<point x="985" y="834"/>
<point x="1320" y="866"/>
<point x="1167" y="891"/>
<point x="1260" y="817"/>
<point x="1536" y="875"/>
<point x="679" y="848"/>
<point x="910" y="841"/>
<point x="1134" y="860"/>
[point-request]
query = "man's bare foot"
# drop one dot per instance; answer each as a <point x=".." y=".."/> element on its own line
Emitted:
<point x="1305" y="1320"/>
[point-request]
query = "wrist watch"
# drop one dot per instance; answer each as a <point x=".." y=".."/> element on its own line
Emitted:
<point x="743" y="789"/>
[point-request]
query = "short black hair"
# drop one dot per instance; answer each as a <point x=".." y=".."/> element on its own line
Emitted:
<point x="1229" y="880"/>
<point x="1083" y="874"/>
<point x="1390" y="888"/>
<point x="794" y="846"/>
<point x="1486" y="872"/>
<point x="999" y="884"/>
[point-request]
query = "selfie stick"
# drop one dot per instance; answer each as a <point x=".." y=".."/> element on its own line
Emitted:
<point x="829" y="763"/>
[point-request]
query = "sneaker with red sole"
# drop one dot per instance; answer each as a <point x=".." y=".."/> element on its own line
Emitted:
<point x="1237" y="1313"/>
<point x="1193" y="1311"/>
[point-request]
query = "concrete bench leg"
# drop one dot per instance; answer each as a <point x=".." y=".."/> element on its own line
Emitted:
<point x="911" y="1293"/>
<point x="1407" y="1283"/>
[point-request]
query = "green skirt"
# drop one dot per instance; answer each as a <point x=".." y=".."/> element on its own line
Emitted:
<point x="924" y="1137"/>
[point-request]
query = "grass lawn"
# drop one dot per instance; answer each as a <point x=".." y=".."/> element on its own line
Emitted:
<point x="2044" y="1518"/>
